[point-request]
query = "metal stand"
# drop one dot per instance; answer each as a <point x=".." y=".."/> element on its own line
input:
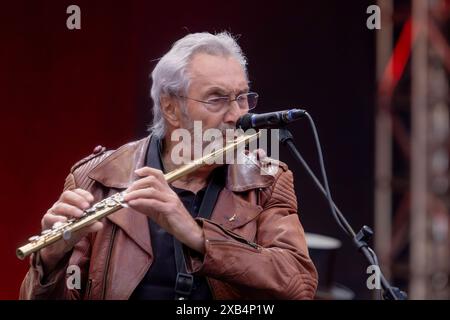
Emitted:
<point x="361" y="238"/>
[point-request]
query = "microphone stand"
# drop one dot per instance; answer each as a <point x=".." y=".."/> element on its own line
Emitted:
<point x="359" y="239"/>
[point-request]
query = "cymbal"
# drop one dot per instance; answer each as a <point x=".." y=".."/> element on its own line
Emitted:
<point x="323" y="250"/>
<point x="334" y="292"/>
<point x="321" y="242"/>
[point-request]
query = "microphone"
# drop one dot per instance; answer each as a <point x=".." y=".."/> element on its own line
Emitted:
<point x="269" y="120"/>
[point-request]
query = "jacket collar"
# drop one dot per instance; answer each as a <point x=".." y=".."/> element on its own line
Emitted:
<point x="117" y="170"/>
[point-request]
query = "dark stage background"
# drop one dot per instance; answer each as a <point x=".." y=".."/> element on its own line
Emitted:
<point x="63" y="92"/>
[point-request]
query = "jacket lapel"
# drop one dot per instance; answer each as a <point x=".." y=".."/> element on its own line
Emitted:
<point x="231" y="211"/>
<point x="117" y="172"/>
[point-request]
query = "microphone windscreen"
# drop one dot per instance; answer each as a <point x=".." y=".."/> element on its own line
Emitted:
<point x="244" y="122"/>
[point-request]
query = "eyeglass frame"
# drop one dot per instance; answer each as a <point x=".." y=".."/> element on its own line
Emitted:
<point x="229" y="101"/>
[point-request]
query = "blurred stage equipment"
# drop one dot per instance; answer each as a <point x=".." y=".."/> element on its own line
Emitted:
<point x="361" y="238"/>
<point x="412" y="196"/>
<point x="323" y="251"/>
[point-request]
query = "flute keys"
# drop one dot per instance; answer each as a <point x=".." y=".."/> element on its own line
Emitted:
<point x="57" y="225"/>
<point x="119" y="197"/>
<point x="90" y="211"/>
<point x="67" y="234"/>
<point x="110" y="203"/>
<point x="33" y="238"/>
<point x="46" y="231"/>
<point x="100" y="205"/>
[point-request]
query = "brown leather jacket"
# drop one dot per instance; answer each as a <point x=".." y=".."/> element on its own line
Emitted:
<point x="260" y="253"/>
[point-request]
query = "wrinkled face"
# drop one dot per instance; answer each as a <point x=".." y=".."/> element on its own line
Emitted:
<point x="212" y="77"/>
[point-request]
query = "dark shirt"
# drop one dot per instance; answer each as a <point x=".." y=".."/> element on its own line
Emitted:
<point x="159" y="281"/>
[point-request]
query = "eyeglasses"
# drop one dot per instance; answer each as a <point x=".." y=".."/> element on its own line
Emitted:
<point x="245" y="101"/>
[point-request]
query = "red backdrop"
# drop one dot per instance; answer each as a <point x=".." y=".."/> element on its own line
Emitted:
<point x="63" y="92"/>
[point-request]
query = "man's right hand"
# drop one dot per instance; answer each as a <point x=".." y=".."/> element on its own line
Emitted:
<point x="71" y="204"/>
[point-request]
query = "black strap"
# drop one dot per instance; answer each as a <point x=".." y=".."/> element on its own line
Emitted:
<point x="185" y="281"/>
<point x="212" y="193"/>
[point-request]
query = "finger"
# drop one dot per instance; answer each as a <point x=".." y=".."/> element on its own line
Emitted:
<point x="85" y="194"/>
<point x="72" y="239"/>
<point x="260" y="154"/>
<point x="75" y="199"/>
<point x="147" y="193"/>
<point x="48" y="220"/>
<point x="67" y="210"/>
<point x="143" y="204"/>
<point x="95" y="227"/>
<point x="147" y="171"/>
<point x="147" y="182"/>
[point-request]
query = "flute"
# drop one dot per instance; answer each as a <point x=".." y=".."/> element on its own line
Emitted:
<point x="107" y="206"/>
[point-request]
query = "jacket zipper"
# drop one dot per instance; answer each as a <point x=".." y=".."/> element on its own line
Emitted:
<point x="108" y="258"/>
<point x="249" y="245"/>
<point x="88" y="289"/>
<point x="239" y="238"/>
<point x="211" y="288"/>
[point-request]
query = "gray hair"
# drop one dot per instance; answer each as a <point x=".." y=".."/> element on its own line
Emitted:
<point x="170" y="74"/>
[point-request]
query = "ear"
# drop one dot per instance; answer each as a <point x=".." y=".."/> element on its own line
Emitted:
<point x="170" y="110"/>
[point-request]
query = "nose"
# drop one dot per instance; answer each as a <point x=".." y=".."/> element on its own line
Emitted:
<point x="233" y="113"/>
